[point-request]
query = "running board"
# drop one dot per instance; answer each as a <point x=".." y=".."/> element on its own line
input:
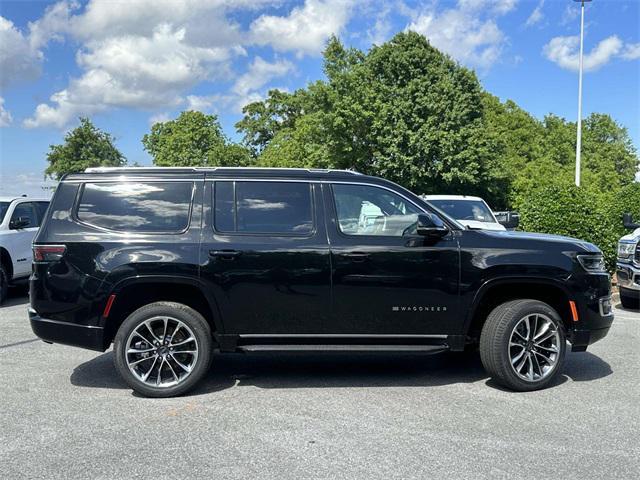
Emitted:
<point x="344" y="348"/>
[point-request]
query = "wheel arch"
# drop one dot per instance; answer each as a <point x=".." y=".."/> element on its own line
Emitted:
<point x="133" y="293"/>
<point x="499" y="290"/>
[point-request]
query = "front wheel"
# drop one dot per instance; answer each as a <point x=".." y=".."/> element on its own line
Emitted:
<point x="523" y="345"/>
<point x="163" y="349"/>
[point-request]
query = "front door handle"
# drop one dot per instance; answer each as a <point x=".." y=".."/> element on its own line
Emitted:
<point x="224" y="254"/>
<point x="357" y="256"/>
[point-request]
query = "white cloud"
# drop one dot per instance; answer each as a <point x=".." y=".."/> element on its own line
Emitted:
<point x="147" y="54"/>
<point x="631" y="51"/>
<point x="305" y="30"/>
<point x="202" y="103"/>
<point x="19" y="62"/>
<point x="571" y="12"/>
<point x="564" y="51"/>
<point x="5" y="116"/>
<point x="499" y="7"/>
<point x="159" y="118"/>
<point x="468" y="32"/>
<point x="260" y="73"/>
<point x="536" y="16"/>
<point x="26" y="183"/>
<point x="382" y="28"/>
<point x="52" y="25"/>
<point x="131" y="71"/>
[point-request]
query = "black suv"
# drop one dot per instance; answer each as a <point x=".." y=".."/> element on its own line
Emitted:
<point x="171" y="264"/>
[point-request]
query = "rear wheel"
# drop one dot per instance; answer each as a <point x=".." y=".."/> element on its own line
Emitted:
<point x="163" y="349"/>
<point x="630" y="298"/>
<point x="522" y="345"/>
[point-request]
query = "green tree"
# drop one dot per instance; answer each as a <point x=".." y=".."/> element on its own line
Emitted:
<point x="194" y="139"/>
<point x="84" y="147"/>
<point x="403" y="110"/>
<point x="534" y="154"/>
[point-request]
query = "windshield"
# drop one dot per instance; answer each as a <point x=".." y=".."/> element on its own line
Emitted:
<point x="464" y="209"/>
<point x="4" y="206"/>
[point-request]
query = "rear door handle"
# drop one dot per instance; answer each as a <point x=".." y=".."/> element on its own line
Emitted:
<point x="224" y="254"/>
<point x="357" y="256"/>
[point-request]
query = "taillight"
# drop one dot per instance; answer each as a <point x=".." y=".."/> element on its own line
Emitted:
<point x="48" y="253"/>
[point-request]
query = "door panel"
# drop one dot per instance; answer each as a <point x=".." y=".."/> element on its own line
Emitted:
<point x="385" y="282"/>
<point x="265" y="256"/>
<point x="22" y="238"/>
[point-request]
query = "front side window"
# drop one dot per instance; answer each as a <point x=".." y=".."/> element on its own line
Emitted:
<point x="367" y="210"/>
<point x="263" y="207"/>
<point x="153" y="207"/>
<point x="464" y="209"/>
<point x="25" y="211"/>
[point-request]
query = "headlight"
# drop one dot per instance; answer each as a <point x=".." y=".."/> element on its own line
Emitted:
<point x="592" y="263"/>
<point x="626" y="249"/>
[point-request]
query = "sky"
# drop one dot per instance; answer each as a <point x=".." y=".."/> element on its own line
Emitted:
<point x="127" y="64"/>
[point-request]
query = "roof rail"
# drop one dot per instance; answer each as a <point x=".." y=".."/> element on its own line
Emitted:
<point x="196" y="169"/>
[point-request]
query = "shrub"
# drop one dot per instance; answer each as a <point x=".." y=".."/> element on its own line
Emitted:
<point x="577" y="212"/>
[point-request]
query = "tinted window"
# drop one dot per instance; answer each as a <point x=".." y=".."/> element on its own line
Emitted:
<point x="365" y="210"/>
<point x="464" y="209"/>
<point x="4" y="206"/>
<point x="225" y="212"/>
<point x="137" y="207"/>
<point x="25" y="210"/>
<point x="263" y="207"/>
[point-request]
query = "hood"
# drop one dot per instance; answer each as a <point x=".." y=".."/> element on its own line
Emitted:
<point x="476" y="225"/>
<point x="632" y="237"/>
<point x="570" y="242"/>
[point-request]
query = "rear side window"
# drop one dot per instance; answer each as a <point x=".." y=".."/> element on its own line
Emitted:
<point x="154" y="207"/>
<point x="263" y="207"/>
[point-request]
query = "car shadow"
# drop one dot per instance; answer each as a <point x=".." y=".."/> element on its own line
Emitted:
<point x="17" y="295"/>
<point x="337" y="370"/>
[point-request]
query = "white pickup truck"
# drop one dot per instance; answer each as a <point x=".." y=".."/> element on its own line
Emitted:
<point x="19" y="221"/>
<point x="473" y="212"/>
<point x="628" y="265"/>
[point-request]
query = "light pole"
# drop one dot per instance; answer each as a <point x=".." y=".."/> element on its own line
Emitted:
<point x="579" y="134"/>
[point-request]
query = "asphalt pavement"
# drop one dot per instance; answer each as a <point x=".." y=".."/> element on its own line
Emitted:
<point x="65" y="413"/>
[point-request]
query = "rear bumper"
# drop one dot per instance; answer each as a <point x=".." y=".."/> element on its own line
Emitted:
<point x="55" y="331"/>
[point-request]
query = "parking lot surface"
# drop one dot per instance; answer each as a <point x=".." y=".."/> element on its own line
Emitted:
<point x="65" y="413"/>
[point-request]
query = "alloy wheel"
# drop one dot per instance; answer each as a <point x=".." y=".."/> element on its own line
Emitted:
<point x="534" y="347"/>
<point x="161" y="351"/>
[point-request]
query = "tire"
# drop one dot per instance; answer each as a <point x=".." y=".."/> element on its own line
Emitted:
<point x="630" y="299"/>
<point x="507" y="323"/>
<point x="4" y="284"/>
<point x="163" y="352"/>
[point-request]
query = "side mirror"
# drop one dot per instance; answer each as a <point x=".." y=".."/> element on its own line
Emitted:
<point x="20" y="222"/>
<point x="627" y="221"/>
<point x="430" y="225"/>
<point x="509" y="220"/>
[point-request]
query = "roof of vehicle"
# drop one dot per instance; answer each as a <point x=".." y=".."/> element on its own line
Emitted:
<point x="210" y="172"/>
<point x="118" y="174"/>
<point x="36" y="199"/>
<point x="451" y="197"/>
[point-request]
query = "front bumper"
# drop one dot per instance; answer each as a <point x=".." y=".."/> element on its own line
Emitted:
<point x="628" y="276"/>
<point x="55" y="331"/>
<point x="592" y="296"/>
